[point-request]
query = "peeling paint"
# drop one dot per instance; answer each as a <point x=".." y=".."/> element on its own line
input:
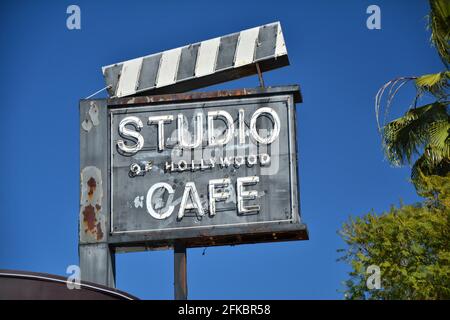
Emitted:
<point x="91" y="119"/>
<point x="86" y="125"/>
<point x="93" y="223"/>
<point x="93" y="113"/>
<point x="139" y="202"/>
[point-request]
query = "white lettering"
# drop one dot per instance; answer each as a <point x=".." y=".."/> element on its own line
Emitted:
<point x="182" y="132"/>
<point x="125" y="133"/>
<point x="159" y="121"/>
<point x="190" y="193"/>
<point x="150" y="209"/>
<point x="212" y="139"/>
<point x="215" y="196"/>
<point x="276" y="125"/>
<point x="243" y="195"/>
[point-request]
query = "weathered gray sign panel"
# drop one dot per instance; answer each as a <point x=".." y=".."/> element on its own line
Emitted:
<point x="200" y="64"/>
<point x="205" y="168"/>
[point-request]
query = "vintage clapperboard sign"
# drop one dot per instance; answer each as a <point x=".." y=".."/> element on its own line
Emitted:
<point x="200" y="64"/>
<point x="204" y="168"/>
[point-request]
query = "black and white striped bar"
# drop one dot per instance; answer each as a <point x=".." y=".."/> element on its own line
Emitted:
<point x="200" y="64"/>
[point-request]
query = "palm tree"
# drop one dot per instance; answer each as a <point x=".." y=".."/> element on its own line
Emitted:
<point x="421" y="138"/>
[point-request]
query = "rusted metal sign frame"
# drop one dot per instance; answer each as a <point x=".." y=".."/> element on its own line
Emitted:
<point x="98" y="244"/>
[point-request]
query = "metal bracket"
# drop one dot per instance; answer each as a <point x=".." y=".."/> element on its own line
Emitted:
<point x="260" y="77"/>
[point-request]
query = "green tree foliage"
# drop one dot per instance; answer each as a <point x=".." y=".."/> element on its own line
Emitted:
<point x="421" y="138"/>
<point x="410" y="244"/>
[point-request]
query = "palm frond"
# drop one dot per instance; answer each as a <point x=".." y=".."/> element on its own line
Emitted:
<point x="435" y="83"/>
<point x="394" y="86"/>
<point x="439" y="141"/>
<point x="439" y="23"/>
<point x="423" y="133"/>
<point x="423" y="169"/>
<point x="407" y="136"/>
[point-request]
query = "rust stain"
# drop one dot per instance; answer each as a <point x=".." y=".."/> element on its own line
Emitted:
<point x="92" y="222"/>
<point x="89" y="218"/>
<point x="92" y="184"/>
<point x="99" y="231"/>
<point x="158" y="98"/>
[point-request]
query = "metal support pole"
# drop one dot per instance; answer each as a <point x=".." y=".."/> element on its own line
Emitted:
<point x="97" y="263"/>
<point x="260" y="77"/>
<point x="180" y="272"/>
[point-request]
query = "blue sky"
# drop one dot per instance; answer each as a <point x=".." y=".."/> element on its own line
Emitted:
<point x="336" y="60"/>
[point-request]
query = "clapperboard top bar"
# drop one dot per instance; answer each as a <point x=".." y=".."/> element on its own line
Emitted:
<point x="200" y="64"/>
